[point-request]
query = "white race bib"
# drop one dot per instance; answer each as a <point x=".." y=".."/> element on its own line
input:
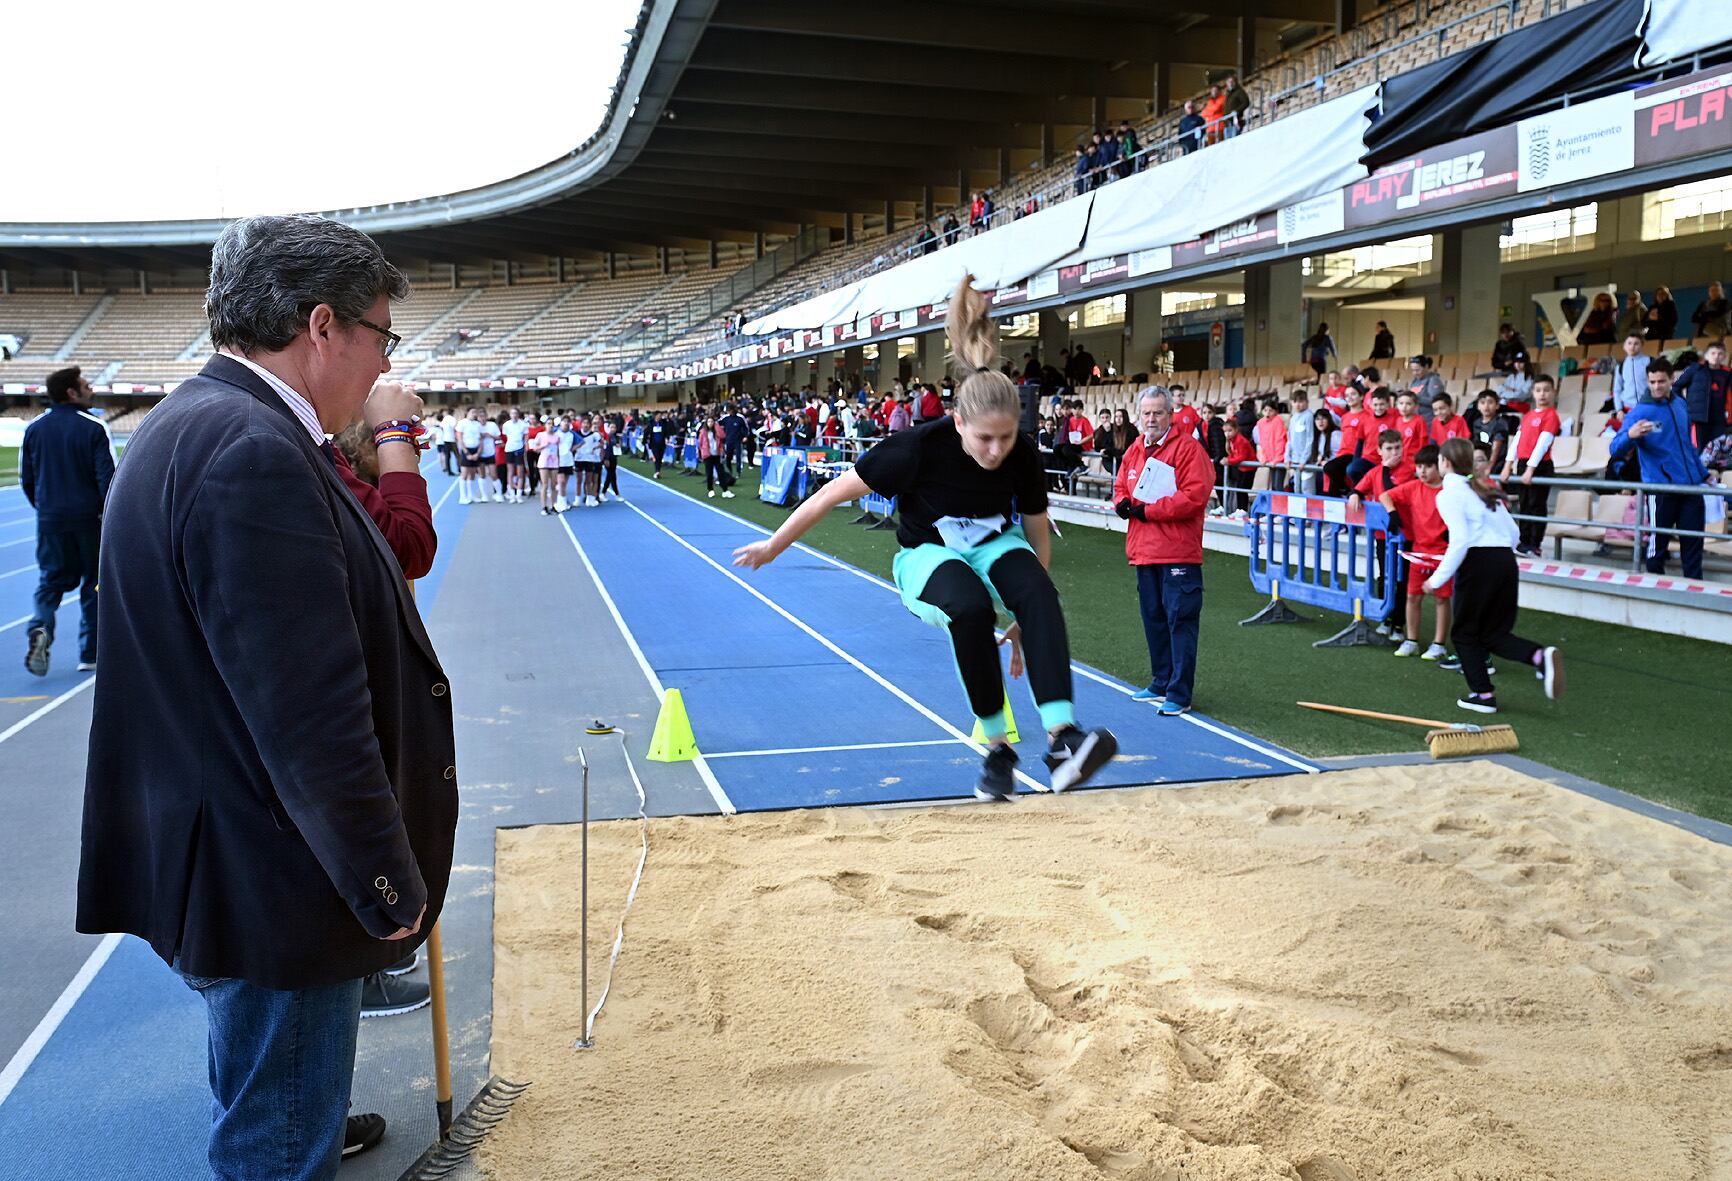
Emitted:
<point x="961" y="533"/>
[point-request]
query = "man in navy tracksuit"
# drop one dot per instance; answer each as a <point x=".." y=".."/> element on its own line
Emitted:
<point x="65" y="470"/>
<point x="733" y="437"/>
<point x="1658" y="427"/>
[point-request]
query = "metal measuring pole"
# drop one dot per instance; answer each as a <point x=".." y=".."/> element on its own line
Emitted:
<point x="583" y="1038"/>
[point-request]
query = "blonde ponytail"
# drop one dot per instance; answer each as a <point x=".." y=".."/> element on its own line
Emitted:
<point x="1458" y="454"/>
<point x="980" y="388"/>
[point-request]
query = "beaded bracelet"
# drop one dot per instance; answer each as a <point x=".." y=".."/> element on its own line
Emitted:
<point x="399" y="431"/>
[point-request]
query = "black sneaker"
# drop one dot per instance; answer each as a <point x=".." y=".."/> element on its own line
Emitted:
<point x="1450" y="664"/>
<point x="361" y="1133"/>
<point x="383" y="996"/>
<point x="997" y="775"/>
<point x="405" y="965"/>
<point x="36" y="656"/>
<point x="1479" y="705"/>
<point x="1076" y="756"/>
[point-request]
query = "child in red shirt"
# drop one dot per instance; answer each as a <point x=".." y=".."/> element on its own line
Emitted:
<point x="1271" y="432"/>
<point x="1415" y="504"/>
<point x="1446" y="424"/>
<point x="1531" y="457"/>
<point x="1241" y="464"/>
<point x="1372" y="486"/>
<point x="1411" y="427"/>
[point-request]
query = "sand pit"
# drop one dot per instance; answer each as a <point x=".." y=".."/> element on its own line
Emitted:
<point x="1433" y="972"/>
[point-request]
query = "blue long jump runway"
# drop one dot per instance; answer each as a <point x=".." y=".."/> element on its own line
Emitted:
<point x="861" y="704"/>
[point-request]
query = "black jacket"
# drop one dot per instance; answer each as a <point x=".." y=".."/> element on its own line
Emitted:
<point x="66" y="466"/>
<point x="271" y="786"/>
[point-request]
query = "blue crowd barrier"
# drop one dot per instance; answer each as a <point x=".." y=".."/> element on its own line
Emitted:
<point x="877" y="512"/>
<point x="691" y="455"/>
<point x="1320" y="551"/>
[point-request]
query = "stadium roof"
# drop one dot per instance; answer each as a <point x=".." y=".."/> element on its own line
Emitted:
<point x="739" y="117"/>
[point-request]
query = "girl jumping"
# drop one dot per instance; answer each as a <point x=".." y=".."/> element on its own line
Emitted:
<point x="959" y="481"/>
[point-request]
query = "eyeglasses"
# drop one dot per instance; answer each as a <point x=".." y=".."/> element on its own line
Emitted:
<point x="391" y="341"/>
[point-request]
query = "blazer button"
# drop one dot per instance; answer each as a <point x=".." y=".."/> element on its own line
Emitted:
<point x="379" y="883"/>
<point x="451" y="772"/>
<point x="391" y="898"/>
<point x="439" y="689"/>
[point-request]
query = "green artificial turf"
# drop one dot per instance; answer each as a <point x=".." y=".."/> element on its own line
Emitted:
<point x="8" y="466"/>
<point x="1641" y="713"/>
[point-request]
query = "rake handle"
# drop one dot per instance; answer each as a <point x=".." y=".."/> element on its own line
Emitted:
<point x="1371" y="713"/>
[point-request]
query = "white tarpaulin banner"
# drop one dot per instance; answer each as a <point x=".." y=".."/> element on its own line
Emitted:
<point x="1577" y="143"/>
<point x="996" y="259"/>
<point x="1676" y="29"/>
<point x="1302" y="156"/>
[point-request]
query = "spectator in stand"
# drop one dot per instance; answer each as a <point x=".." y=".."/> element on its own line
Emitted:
<point x="1240" y="462"/>
<point x="927" y="241"/>
<point x="1350" y="442"/>
<point x="1711" y="315"/>
<point x="1425" y="382"/>
<point x="898" y="416"/>
<point x="1317" y="350"/>
<point x="1097" y="160"/>
<point x="1185" y="416"/>
<point x="1630" y="378"/>
<point x="1191" y="125"/>
<point x="1383" y="343"/>
<point x="976" y="214"/>
<point x="65" y="466"/>
<point x="1324" y="435"/>
<point x="1662" y="321"/>
<point x="1080" y="371"/>
<point x="1658" y="429"/>
<point x="1390" y="472"/>
<point x="1110" y="152"/>
<point x="1164" y="544"/>
<point x="1517" y="389"/>
<point x="1414" y="505"/>
<point x="1707" y="388"/>
<point x="952" y="229"/>
<point x="1633" y="316"/>
<point x="1509" y="345"/>
<point x="1486" y="582"/>
<point x="1214" y="114"/>
<point x="1270" y="434"/>
<point x="986" y="211"/>
<point x="1446" y="424"/>
<point x="1130" y="159"/>
<point x="1163" y="361"/>
<point x="1080" y="171"/>
<point x="1540" y="428"/>
<point x="1376" y="418"/>
<point x="1238" y="107"/>
<point x="1113" y="438"/>
<point x="1415" y="432"/>
<point x="1601" y="325"/>
<point x="1300" y="428"/>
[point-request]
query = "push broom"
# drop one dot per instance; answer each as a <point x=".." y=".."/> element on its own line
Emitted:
<point x="1448" y="740"/>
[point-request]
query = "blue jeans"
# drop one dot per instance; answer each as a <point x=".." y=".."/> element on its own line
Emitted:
<point x="1172" y="601"/>
<point x="67" y="556"/>
<point x="280" y="1068"/>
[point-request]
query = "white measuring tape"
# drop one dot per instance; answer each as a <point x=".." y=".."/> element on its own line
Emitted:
<point x="630" y="896"/>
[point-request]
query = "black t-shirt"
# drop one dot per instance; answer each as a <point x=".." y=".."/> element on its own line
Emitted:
<point x="931" y="476"/>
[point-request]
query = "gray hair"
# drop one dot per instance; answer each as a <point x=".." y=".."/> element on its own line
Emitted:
<point x="1155" y="391"/>
<point x="267" y="274"/>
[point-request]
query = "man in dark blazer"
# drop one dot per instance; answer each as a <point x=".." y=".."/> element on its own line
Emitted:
<point x="271" y="797"/>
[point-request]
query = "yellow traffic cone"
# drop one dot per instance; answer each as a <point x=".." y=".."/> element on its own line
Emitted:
<point x="1009" y="724"/>
<point x="673" y="741"/>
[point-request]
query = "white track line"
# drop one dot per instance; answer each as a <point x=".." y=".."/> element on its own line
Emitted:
<point x="20" y="570"/>
<point x="1082" y="670"/>
<point x="56" y="1014"/>
<point x="18" y="726"/>
<point x="20" y="541"/>
<point x="443" y="499"/>
<point x="876" y="676"/>
<point x="818" y="750"/>
<point x="24" y="619"/>
<point x="699" y="761"/>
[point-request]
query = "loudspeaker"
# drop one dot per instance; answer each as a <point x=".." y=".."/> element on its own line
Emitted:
<point x="1030" y="395"/>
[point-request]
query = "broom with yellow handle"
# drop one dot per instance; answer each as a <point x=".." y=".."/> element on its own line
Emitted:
<point x="1448" y="740"/>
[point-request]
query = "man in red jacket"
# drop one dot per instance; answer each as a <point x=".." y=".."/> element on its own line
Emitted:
<point x="1164" y="542"/>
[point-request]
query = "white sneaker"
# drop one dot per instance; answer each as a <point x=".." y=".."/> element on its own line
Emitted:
<point x="463" y="500"/>
<point x="1383" y="629"/>
<point x="727" y="496"/>
<point x="594" y="502"/>
<point x="559" y="505"/>
<point x="498" y="498"/>
<point x="1396" y="636"/>
<point x="1408" y="648"/>
<point x="1435" y="652"/>
<point x="712" y="493"/>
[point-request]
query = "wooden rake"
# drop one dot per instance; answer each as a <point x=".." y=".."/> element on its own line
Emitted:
<point x="1447" y="740"/>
